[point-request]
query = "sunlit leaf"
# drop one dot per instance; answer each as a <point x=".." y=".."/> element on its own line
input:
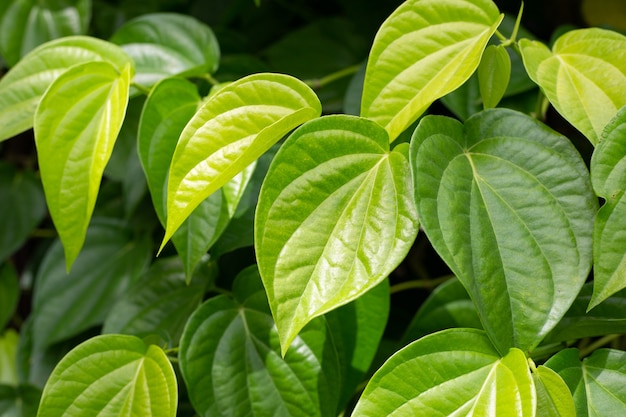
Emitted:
<point x="554" y="398"/>
<point x="529" y="253"/>
<point x="228" y="133"/>
<point x="77" y="121"/>
<point x="335" y="217"/>
<point x="166" y="44"/>
<point x="111" y="376"/>
<point x="22" y="87"/>
<point x="453" y="372"/>
<point x="584" y="76"/>
<point x="424" y="50"/>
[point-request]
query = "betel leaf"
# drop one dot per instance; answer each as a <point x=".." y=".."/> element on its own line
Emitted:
<point x="529" y="253"/>
<point x="453" y="372"/>
<point x="424" y="50"/>
<point x="608" y="175"/>
<point x="63" y="303"/>
<point x="230" y="131"/>
<point x="111" y="375"/>
<point x="26" y="24"/>
<point x="22" y="87"/>
<point x="335" y="217"/>
<point x="583" y="77"/>
<point x="9" y="293"/>
<point x="231" y="363"/>
<point x="494" y="73"/>
<point x="77" y="121"/>
<point x="554" y="398"/>
<point x="166" y="44"/>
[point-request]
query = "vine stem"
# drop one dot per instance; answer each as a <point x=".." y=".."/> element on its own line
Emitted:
<point x="597" y="344"/>
<point x="317" y="83"/>
<point x="144" y="90"/>
<point x="409" y="285"/>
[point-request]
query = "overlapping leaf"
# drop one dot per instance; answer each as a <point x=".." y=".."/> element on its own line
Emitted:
<point x="453" y="372"/>
<point x="608" y="174"/>
<point x="584" y="76"/>
<point x="8" y="348"/>
<point x="20" y="401"/>
<point x="554" y="398"/>
<point x="110" y="376"/>
<point x="231" y="363"/>
<point x="166" y="44"/>
<point x="77" y="121"/>
<point x="494" y="73"/>
<point x="22" y="87"/>
<point x="335" y="217"/>
<point x="424" y="50"/>
<point x="507" y="203"/>
<point x="232" y="130"/>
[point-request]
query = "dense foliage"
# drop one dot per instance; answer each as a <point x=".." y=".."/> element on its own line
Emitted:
<point x="274" y="208"/>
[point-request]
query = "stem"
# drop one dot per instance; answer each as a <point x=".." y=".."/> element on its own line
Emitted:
<point x="43" y="233"/>
<point x="597" y="344"/>
<point x="409" y="285"/>
<point x="518" y="21"/>
<point x="317" y="83"/>
<point x="210" y="79"/>
<point x="145" y="91"/>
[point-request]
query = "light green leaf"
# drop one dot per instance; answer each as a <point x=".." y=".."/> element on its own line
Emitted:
<point x="529" y="253"/>
<point x="335" y="217"/>
<point x="64" y="304"/>
<point x="424" y="50"/>
<point x="22" y="87"/>
<point x="608" y="174"/>
<point x="494" y="73"/>
<point x="77" y="121"/>
<point x="231" y="363"/>
<point x="554" y="398"/>
<point x="231" y="130"/>
<point x="166" y="44"/>
<point x="584" y="76"/>
<point x="26" y="24"/>
<point x="111" y="376"/>
<point x="9" y="293"/>
<point x="453" y="372"/>
<point x="8" y="350"/>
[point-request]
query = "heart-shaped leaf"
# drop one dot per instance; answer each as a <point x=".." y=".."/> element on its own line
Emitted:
<point x="228" y="133"/>
<point x="22" y="87"/>
<point x="166" y="44"/>
<point x="110" y="376"/>
<point x="26" y="24"/>
<point x="453" y="372"/>
<point x="424" y="50"/>
<point x="584" y="76"/>
<point x="554" y="398"/>
<point x="494" y="73"/>
<point x="608" y="174"/>
<point x="335" y="217"/>
<point x="95" y="95"/>
<point x="529" y="253"/>
<point x="231" y="363"/>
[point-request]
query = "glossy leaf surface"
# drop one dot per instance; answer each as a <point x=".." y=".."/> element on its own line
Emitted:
<point x="22" y="87"/>
<point x="554" y="398"/>
<point x="608" y="174"/>
<point x="229" y="132"/>
<point x="111" y="376"/>
<point x="529" y="253"/>
<point x="424" y="50"/>
<point x="63" y="303"/>
<point x="231" y="362"/>
<point x="584" y="76"/>
<point x="9" y="293"/>
<point x="453" y="372"/>
<point x="166" y="44"/>
<point x="26" y="24"/>
<point x="96" y="96"/>
<point x="335" y="217"/>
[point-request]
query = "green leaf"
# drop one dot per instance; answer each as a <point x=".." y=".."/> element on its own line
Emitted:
<point x="554" y="398"/>
<point x="335" y="217"/>
<point x="8" y="350"/>
<point x="159" y="303"/>
<point x="166" y="44"/>
<point x="231" y="363"/>
<point x="529" y="253"/>
<point x="448" y="306"/>
<point x="26" y="24"/>
<point x="94" y="95"/>
<point x="584" y="76"/>
<point x="9" y="293"/>
<point x="64" y="304"/>
<point x="453" y="372"/>
<point x="424" y="50"/>
<point x="608" y="174"/>
<point x="23" y="86"/>
<point x="494" y="73"/>
<point x="20" y="401"/>
<point x="110" y="376"/>
<point x="229" y="132"/>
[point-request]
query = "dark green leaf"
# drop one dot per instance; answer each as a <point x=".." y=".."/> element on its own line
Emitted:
<point x="9" y="293"/>
<point x="21" y="401"/>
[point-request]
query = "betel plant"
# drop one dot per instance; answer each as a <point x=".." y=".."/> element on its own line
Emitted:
<point x="507" y="203"/>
